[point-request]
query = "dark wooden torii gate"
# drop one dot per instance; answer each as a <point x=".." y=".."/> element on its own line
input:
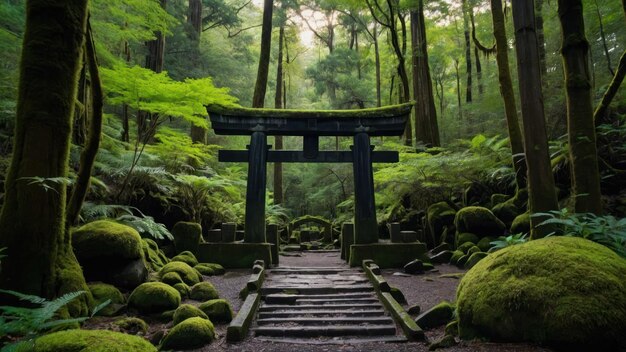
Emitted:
<point x="359" y="124"/>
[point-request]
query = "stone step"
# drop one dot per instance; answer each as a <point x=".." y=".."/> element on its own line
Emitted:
<point x="376" y="320"/>
<point x="271" y="308"/>
<point x="323" y="330"/>
<point x="316" y="290"/>
<point x="331" y="296"/>
<point x="322" y="313"/>
<point x="344" y="340"/>
<point x="326" y="301"/>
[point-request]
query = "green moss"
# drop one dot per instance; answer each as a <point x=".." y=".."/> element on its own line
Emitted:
<point x="506" y="212"/>
<point x="461" y="262"/>
<point x="498" y="198"/>
<point x="171" y="278"/>
<point x="71" y="279"/>
<point x="387" y="111"/>
<point x="187" y="273"/>
<point x="154" y="256"/>
<point x="465" y="247"/>
<point x="452" y="328"/>
<point x="521" y="224"/>
<point x="485" y="243"/>
<point x="187" y="236"/>
<point x="132" y="325"/>
<point x="102" y="292"/>
<point x="218" y="310"/>
<point x="210" y="269"/>
<point x="154" y="297"/>
<point x="473" y="249"/>
<point x="183" y="289"/>
<point x="473" y="259"/>
<point x="456" y="255"/>
<point x="203" y="291"/>
<point x="186" y="257"/>
<point x="439" y="216"/>
<point x="479" y="221"/>
<point x="560" y="291"/>
<point x="190" y="334"/>
<point x="186" y="311"/>
<point x="91" y="341"/>
<point x="464" y="238"/>
<point x="106" y="239"/>
<point x="436" y="316"/>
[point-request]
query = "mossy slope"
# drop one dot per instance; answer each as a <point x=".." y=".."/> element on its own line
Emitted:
<point x="91" y="341"/>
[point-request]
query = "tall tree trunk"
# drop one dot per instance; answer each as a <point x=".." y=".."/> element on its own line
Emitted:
<point x="39" y="258"/>
<point x="377" y="59"/>
<point x="278" y="104"/>
<point x="156" y="49"/>
<point x="508" y="95"/>
<point x="468" y="51"/>
<point x="198" y="134"/>
<point x="611" y="91"/>
<point x="458" y="89"/>
<point x="541" y="39"/>
<point x="580" y="126"/>
<point x="426" y="128"/>
<point x="541" y="190"/>
<point x="479" y="67"/>
<point x="258" y="99"/>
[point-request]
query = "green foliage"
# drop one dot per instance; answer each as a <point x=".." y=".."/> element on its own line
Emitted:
<point x="605" y="230"/>
<point x="31" y="322"/>
<point x="123" y="214"/>
<point x="506" y="241"/>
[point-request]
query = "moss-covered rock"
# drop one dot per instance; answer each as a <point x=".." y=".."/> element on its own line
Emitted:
<point x="456" y="255"/>
<point x="561" y="291"/>
<point x="506" y="212"/>
<point x="186" y="311"/>
<point x="171" y="278"/>
<point x="521" y="224"/>
<point x="210" y="269"/>
<point x="473" y="259"/>
<point x="485" y="243"/>
<point x="131" y="325"/>
<point x="479" y="221"/>
<point x="189" y="334"/>
<point x="436" y="316"/>
<point x="153" y="255"/>
<point x="91" y="341"/>
<point x="186" y="257"/>
<point x="203" y="291"/>
<point x="461" y="262"/>
<point x="183" y="289"/>
<point x="442" y="257"/>
<point x="102" y="292"/>
<point x="186" y="273"/>
<point x="154" y="297"/>
<point x="473" y="249"/>
<point x="186" y="236"/>
<point x="218" y="310"/>
<point x="498" y="198"/>
<point x="397" y="294"/>
<point x="110" y="252"/>
<point x="438" y="217"/>
<point x="452" y="328"/>
<point x="465" y="237"/>
<point x="465" y="247"/>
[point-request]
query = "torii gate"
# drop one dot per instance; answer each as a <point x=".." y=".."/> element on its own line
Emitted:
<point x="359" y="124"/>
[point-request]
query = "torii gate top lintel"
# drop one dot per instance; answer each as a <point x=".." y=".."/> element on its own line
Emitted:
<point x="360" y="124"/>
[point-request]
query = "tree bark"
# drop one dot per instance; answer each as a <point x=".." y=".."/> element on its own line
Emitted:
<point x="278" y="104"/>
<point x="611" y="91"/>
<point x="32" y="222"/>
<point x="541" y="39"/>
<point x="468" y="52"/>
<point x="198" y="134"/>
<point x="580" y="126"/>
<point x="426" y="127"/>
<point x="377" y="59"/>
<point x="603" y="38"/>
<point x="258" y="99"/>
<point x="508" y="95"/>
<point x="541" y="190"/>
<point x="156" y="50"/>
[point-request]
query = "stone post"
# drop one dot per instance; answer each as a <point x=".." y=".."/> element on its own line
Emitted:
<point x="365" y="225"/>
<point x="255" y="192"/>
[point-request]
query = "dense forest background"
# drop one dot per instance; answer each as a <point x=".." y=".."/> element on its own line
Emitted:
<point x="162" y="61"/>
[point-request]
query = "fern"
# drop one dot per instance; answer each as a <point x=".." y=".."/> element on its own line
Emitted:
<point x="91" y="211"/>
<point x="146" y="225"/>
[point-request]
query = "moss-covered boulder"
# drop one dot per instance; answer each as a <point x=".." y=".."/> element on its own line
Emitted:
<point x="186" y="311"/>
<point x="186" y="257"/>
<point x="186" y="273"/>
<point x="565" y="292"/>
<point x="506" y="212"/>
<point x="465" y="237"/>
<point x="436" y="316"/>
<point x="438" y="217"/>
<point x="465" y="247"/>
<point x="131" y="325"/>
<point x="110" y="252"/>
<point x="456" y="255"/>
<point x="473" y="259"/>
<point x="102" y="292"/>
<point x="91" y="341"/>
<point x="189" y="334"/>
<point x="183" y="289"/>
<point x="210" y="269"/>
<point x="218" y="310"/>
<point x="172" y="278"/>
<point x="153" y="255"/>
<point x="154" y="297"/>
<point x="479" y="221"/>
<point x="521" y="224"/>
<point x="203" y="291"/>
<point x="485" y="243"/>
<point x="498" y="198"/>
<point x="187" y="236"/>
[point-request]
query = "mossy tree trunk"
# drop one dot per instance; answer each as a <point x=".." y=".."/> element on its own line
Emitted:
<point x="541" y="189"/>
<point x="611" y="91"/>
<point x="580" y="125"/>
<point x="198" y="134"/>
<point x="468" y="51"/>
<point x="541" y="38"/>
<point x="258" y="99"/>
<point x="508" y="95"/>
<point x="32" y="223"/>
<point x="278" y="104"/>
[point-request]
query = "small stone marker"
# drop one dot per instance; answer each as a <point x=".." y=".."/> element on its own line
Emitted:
<point x="214" y="236"/>
<point x="228" y="231"/>
<point x="408" y="236"/>
<point x="394" y="232"/>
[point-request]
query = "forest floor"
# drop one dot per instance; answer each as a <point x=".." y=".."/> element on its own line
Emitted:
<point x="425" y="290"/>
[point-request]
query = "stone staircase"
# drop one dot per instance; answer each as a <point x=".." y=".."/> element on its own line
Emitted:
<point x="321" y="305"/>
